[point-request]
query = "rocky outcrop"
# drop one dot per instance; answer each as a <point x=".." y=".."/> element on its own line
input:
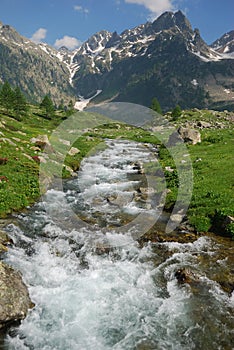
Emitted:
<point x="41" y="141"/>
<point x="4" y="241"/>
<point x="73" y="151"/>
<point x="204" y="125"/>
<point x="190" y="135"/>
<point x="14" y="297"/>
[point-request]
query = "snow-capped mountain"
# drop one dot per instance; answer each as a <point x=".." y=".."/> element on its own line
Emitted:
<point x="166" y="59"/>
<point x="162" y="59"/>
<point x="225" y="44"/>
<point x="103" y="49"/>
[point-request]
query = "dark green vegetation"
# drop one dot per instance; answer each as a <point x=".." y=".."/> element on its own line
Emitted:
<point x="34" y="68"/>
<point x="155" y="106"/>
<point x="12" y="100"/>
<point x="212" y="198"/>
<point x="212" y="160"/>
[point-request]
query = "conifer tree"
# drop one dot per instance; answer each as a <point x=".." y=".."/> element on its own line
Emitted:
<point x="6" y="97"/>
<point x="19" y="102"/>
<point x="155" y="106"/>
<point x="48" y="106"/>
<point x="176" y="112"/>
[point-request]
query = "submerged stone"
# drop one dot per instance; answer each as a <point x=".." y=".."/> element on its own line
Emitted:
<point x="185" y="275"/>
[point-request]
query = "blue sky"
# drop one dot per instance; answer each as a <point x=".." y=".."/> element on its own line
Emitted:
<point x="69" y="22"/>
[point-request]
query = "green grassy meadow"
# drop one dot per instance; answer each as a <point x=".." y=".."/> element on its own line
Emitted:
<point x="212" y="159"/>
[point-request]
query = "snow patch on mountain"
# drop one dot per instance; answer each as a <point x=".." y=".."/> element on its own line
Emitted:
<point x="82" y="103"/>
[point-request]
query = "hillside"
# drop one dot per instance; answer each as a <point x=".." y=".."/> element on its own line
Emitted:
<point x="166" y="59"/>
<point x="35" y="68"/>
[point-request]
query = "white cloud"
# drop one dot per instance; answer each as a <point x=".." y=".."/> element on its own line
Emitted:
<point x="82" y="9"/>
<point x="70" y="42"/>
<point x="156" y="7"/>
<point x="39" y="35"/>
<point x="78" y="8"/>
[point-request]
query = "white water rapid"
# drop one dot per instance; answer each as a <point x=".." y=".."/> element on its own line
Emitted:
<point x="121" y="297"/>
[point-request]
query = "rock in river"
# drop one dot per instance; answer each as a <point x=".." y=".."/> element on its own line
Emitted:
<point x="14" y="297"/>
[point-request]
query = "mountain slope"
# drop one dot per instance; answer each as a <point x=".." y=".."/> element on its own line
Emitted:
<point x="225" y="44"/>
<point x="36" y="69"/>
<point x="165" y="58"/>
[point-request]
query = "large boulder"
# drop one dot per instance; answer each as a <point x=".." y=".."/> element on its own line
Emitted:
<point x="73" y="151"/>
<point x="4" y="241"/>
<point x="41" y="141"/>
<point x="189" y="135"/>
<point x="14" y="297"/>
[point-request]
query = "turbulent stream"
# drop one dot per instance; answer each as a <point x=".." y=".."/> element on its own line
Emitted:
<point x="95" y="287"/>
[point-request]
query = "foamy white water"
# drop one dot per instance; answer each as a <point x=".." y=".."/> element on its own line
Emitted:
<point x="90" y="296"/>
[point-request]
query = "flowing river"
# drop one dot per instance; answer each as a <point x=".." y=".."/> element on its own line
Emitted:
<point x="95" y="287"/>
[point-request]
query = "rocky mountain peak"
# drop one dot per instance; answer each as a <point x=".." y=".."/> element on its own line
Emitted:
<point x="114" y="40"/>
<point x="96" y="42"/>
<point x="181" y="21"/>
<point x="169" y="20"/>
<point x="9" y="33"/>
<point x="63" y="49"/>
<point x="225" y="44"/>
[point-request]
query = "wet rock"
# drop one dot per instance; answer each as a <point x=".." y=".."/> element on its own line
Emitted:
<point x="14" y="296"/>
<point x="101" y="249"/>
<point x="120" y="199"/>
<point x="147" y="190"/>
<point x="139" y="167"/>
<point x="157" y="235"/>
<point x="4" y="241"/>
<point x="228" y="286"/>
<point x="185" y="275"/>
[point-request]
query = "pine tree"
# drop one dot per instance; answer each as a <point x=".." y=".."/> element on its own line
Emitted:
<point x="6" y="96"/>
<point x="176" y="112"/>
<point x="155" y="106"/>
<point x="19" y="102"/>
<point x="70" y="109"/>
<point x="48" y="106"/>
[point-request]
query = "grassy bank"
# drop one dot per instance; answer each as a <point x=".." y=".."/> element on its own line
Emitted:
<point x="212" y="159"/>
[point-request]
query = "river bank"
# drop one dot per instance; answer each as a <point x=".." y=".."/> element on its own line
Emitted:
<point x="104" y="284"/>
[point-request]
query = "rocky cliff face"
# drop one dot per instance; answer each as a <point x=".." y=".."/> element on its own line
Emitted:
<point x="225" y="44"/>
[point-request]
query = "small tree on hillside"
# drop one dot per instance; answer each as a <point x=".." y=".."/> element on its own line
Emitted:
<point x="155" y="106"/>
<point x="6" y="96"/>
<point x="176" y="112"/>
<point x="48" y="106"/>
<point x="19" y="102"/>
